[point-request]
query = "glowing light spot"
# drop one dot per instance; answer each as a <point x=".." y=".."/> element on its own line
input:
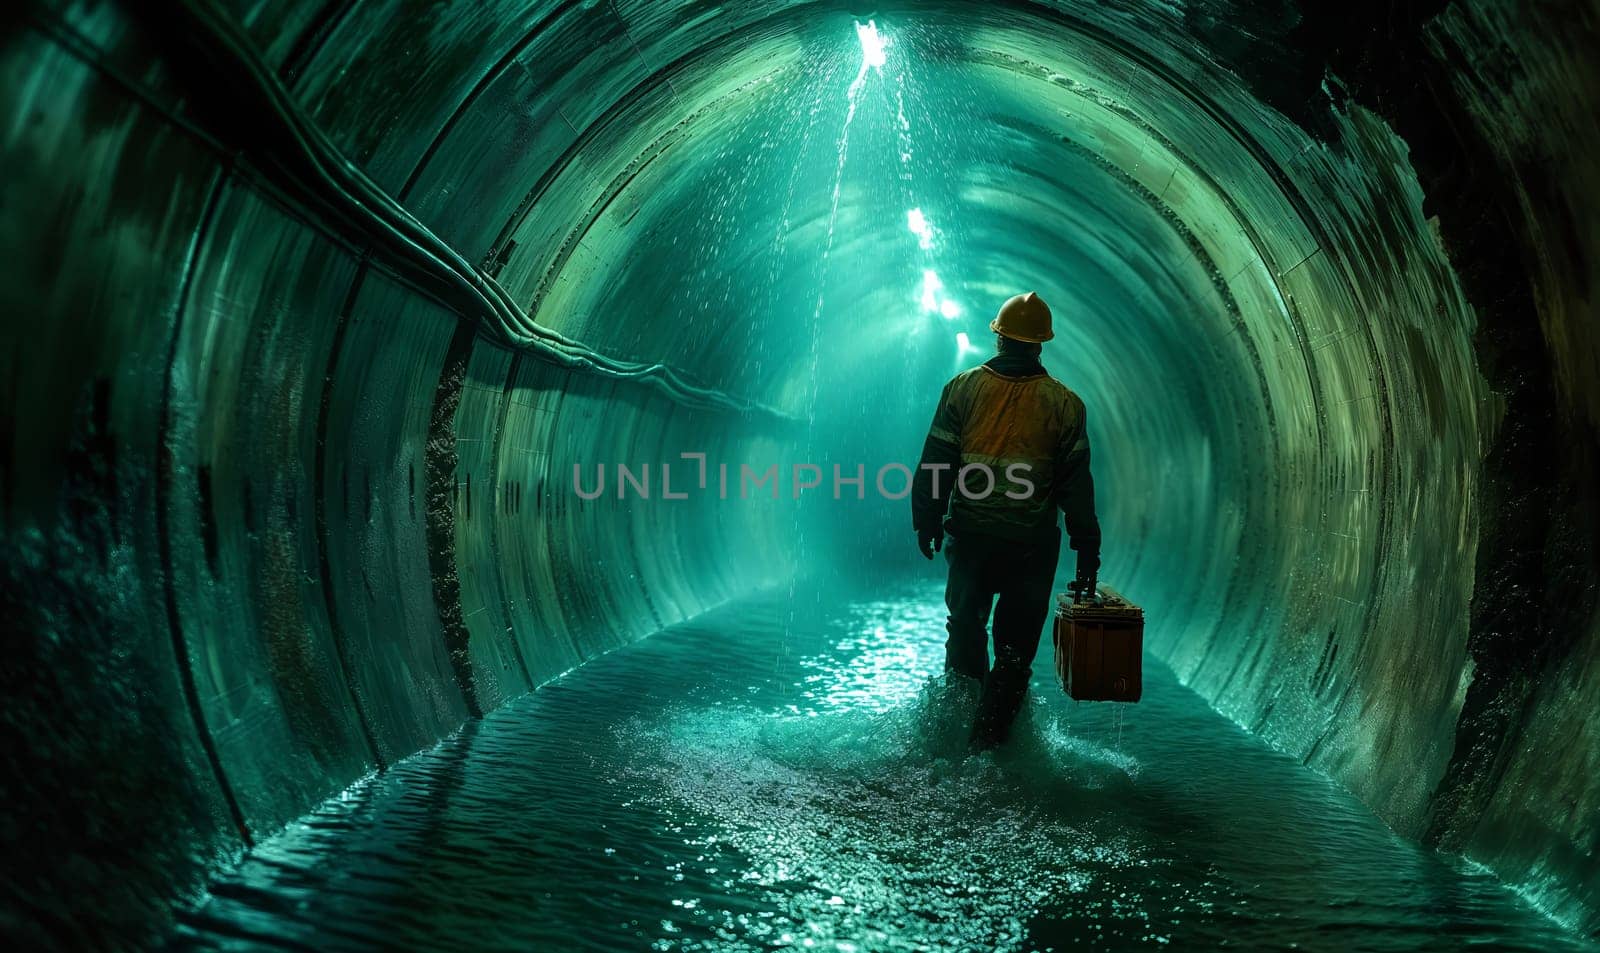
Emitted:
<point x="918" y="223"/>
<point x="964" y="343"/>
<point x="931" y="286"/>
<point x="933" y="297"/>
<point x="873" y="45"/>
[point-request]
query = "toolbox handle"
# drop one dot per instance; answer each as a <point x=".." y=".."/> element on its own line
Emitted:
<point x="1075" y="591"/>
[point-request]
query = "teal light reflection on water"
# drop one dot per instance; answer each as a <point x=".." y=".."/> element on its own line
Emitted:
<point x="882" y="663"/>
<point x="770" y="778"/>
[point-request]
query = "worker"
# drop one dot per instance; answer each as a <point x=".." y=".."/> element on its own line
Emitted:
<point x="1008" y="448"/>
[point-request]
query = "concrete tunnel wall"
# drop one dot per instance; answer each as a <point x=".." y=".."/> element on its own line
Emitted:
<point x="279" y="513"/>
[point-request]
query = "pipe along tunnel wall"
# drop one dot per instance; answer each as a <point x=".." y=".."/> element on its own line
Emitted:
<point x="311" y="309"/>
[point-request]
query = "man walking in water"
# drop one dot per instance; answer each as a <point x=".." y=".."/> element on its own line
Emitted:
<point x="1008" y="447"/>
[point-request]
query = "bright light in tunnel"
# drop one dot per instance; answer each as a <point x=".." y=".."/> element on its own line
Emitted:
<point x="933" y="299"/>
<point x="873" y="55"/>
<point x="963" y="344"/>
<point x="918" y="223"/>
<point x="931" y="286"/>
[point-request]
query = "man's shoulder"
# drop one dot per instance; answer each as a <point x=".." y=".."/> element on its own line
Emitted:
<point x="1069" y="398"/>
<point x="964" y="379"/>
<point x="1057" y="386"/>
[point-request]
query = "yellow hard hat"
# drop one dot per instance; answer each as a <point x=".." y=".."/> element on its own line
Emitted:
<point x="1024" y="318"/>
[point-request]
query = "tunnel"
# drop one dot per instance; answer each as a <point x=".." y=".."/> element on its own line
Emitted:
<point x="324" y="319"/>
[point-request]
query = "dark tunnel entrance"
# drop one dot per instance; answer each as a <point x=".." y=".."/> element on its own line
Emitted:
<point x="320" y="317"/>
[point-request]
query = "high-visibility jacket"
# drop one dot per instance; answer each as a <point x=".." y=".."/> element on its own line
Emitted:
<point x="1008" y="421"/>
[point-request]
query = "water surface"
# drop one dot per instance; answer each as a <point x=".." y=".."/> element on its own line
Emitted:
<point x="790" y="773"/>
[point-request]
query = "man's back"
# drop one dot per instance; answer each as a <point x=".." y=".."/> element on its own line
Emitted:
<point x="1021" y="424"/>
<point x="1008" y="420"/>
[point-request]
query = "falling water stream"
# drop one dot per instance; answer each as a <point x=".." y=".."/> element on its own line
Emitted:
<point x="746" y="781"/>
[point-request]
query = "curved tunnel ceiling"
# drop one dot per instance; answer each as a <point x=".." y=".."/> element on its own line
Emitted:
<point x="357" y="484"/>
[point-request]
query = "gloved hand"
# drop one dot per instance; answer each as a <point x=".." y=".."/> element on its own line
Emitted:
<point x="930" y="541"/>
<point x="1083" y="588"/>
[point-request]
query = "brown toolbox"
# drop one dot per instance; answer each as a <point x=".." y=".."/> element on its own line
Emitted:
<point x="1099" y="647"/>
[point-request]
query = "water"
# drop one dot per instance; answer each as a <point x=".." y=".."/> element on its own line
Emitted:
<point x="725" y="785"/>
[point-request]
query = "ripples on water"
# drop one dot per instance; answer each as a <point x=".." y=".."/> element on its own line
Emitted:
<point x="752" y="781"/>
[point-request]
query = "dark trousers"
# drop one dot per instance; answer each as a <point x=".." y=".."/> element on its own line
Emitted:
<point x="1021" y="575"/>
